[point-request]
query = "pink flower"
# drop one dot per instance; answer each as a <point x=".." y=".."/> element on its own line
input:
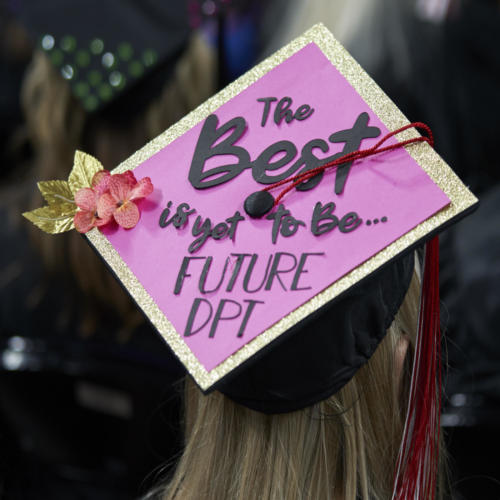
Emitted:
<point x="100" y="182"/>
<point x="86" y="199"/>
<point x="119" y="201"/>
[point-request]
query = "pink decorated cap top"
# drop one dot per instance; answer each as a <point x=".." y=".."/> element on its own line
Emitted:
<point x="221" y="283"/>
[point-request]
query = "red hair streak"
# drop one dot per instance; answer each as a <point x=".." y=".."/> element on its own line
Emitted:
<point x="417" y="464"/>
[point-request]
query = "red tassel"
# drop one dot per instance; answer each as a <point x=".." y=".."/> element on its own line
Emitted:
<point x="417" y="465"/>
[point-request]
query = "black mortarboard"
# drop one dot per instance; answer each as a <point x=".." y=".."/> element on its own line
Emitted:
<point x="103" y="48"/>
<point x="233" y="287"/>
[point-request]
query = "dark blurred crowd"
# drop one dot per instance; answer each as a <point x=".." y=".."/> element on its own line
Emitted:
<point x="89" y="394"/>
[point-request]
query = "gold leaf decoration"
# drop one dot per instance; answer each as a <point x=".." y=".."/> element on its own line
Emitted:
<point x="84" y="168"/>
<point x="57" y="193"/>
<point x="52" y="219"/>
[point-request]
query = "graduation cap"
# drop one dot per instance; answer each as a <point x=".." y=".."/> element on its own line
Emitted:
<point x="105" y="48"/>
<point x="277" y="298"/>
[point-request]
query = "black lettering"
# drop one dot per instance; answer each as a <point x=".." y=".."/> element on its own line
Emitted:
<point x="304" y="111"/>
<point x="188" y="331"/>
<point x="219" y="231"/>
<point x="199" y="228"/>
<point x="283" y="110"/>
<point x="267" y="107"/>
<point x="181" y="216"/>
<point x="208" y="146"/>
<point x="249" y="273"/>
<point x="300" y="270"/>
<point x="233" y="222"/>
<point x="284" y="223"/>
<point x="320" y="213"/>
<point x="218" y="315"/>
<point x="263" y="162"/>
<point x="204" y="273"/>
<point x="240" y="257"/>
<point x="352" y="139"/>
<point x="248" y="312"/>
<point x="289" y="226"/>
<point x="275" y="271"/>
<point x="349" y="222"/>
<point x="205" y="149"/>
<point x="164" y="215"/>
<point x="183" y="274"/>
<point x="311" y="161"/>
<point x="280" y="212"/>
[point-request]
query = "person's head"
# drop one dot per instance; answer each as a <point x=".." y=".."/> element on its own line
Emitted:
<point x="58" y="125"/>
<point x="344" y="447"/>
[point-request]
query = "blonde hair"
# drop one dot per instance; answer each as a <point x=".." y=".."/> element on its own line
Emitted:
<point x="342" y="448"/>
<point x="58" y="125"/>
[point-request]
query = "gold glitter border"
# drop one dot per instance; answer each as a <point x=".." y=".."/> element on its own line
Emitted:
<point x="461" y="200"/>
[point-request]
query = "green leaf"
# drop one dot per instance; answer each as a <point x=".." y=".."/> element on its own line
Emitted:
<point x="52" y="220"/>
<point x="84" y="169"/>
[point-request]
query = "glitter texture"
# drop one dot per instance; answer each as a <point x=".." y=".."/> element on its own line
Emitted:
<point x="461" y="200"/>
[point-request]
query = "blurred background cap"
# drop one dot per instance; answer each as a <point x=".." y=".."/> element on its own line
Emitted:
<point x="106" y="48"/>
